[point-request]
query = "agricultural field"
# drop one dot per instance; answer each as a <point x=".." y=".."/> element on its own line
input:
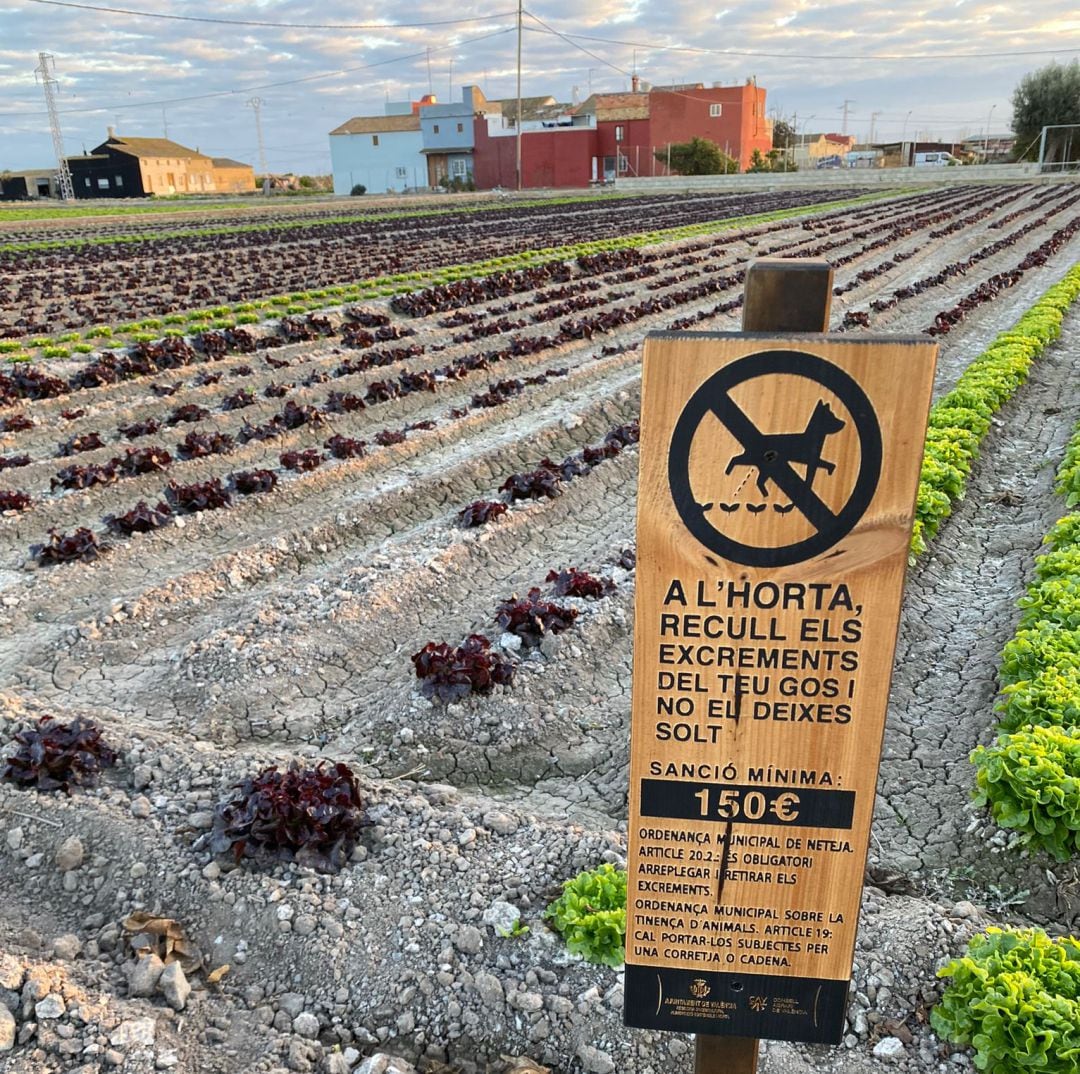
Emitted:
<point x="324" y="485"/>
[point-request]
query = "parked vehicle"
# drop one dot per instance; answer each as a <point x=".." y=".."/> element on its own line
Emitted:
<point x="934" y="160"/>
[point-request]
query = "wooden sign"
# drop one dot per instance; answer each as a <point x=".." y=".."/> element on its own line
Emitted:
<point x="777" y="488"/>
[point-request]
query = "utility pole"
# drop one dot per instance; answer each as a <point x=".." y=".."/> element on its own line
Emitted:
<point x="450" y="81"/>
<point x="986" y="135"/>
<point x="845" y="108"/>
<point x="873" y="123"/>
<point x="255" y="103"/>
<point x="430" y="85"/>
<point x="165" y="120"/>
<point x="517" y="129"/>
<point x="44" y="74"/>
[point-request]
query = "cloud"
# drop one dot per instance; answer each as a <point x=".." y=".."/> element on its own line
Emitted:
<point x="115" y="69"/>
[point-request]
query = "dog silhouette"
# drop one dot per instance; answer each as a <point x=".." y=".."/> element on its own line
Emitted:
<point x="803" y="449"/>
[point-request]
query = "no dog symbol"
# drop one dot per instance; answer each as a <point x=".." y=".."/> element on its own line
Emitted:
<point x="775" y="458"/>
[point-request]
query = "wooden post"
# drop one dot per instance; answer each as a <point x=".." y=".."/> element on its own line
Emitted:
<point x="781" y="295"/>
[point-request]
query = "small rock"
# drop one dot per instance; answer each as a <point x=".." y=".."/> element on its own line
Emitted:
<point x="510" y="642"/>
<point x="140" y="807"/>
<point x="141" y="1031"/>
<point x="501" y="823"/>
<point x="292" y="1003"/>
<point x="174" y="986"/>
<point x="469" y="940"/>
<point x="67" y="947"/>
<point x="144" y="975"/>
<point x="202" y="821"/>
<point x="336" y="1063"/>
<point x="15" y="838"/>
<point x="502" y="917"/>
<point x="70" y="854"/>
<point x="305" y="1024"/>
<point x="889" y="1048"/>
<point x="52" y="1006"/>
<point x="490" y="989"/>
<point x="141" y="776"/>
<point x="594" y="1060"/>
<point x="7" y="1030"/>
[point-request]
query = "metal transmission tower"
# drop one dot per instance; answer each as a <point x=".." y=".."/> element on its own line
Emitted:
<point x="44" y="74"/>
<point x="256" y="104"/>
<point x="846" y="109"/>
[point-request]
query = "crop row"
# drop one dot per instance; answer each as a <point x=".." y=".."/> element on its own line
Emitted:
<point x="450" y="673"/>
<point x="959" y="420"/>
<point x="943" y="320"/>
<point x="248" y="312"/>
<point x="1030" y="777"/>
<point x="212" y="494"/>
<point x="61" y="290"/>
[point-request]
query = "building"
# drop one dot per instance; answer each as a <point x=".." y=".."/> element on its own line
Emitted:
<point x="138" y="167"/>
<point x="232" y="177"/>
<point x="381" y="153"/>
<point x="810" y="150"/>
<point x="427" y="144"/>
<point x="622" y="135"/>
<point x="31" y="183"/>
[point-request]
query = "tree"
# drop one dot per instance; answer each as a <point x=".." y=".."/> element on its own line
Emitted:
<point x="699" y="156"/>
<point x="1045" y="97"/>
<point x="783" y="134"/>
<point x="773" y="161"/>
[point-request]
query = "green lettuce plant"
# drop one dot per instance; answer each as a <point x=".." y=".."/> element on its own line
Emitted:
<point x="960" y="419"/>
<point x="590" y="914"/>
<point x="1030" y="779"/>
<point x="1014" y="998"/>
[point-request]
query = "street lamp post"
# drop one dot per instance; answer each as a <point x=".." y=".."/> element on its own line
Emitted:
<point x="986" y="135"/>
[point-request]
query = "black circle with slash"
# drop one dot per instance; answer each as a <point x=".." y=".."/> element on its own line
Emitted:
<point x="772" y="455"/>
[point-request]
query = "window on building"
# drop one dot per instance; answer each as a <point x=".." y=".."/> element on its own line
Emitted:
<point x="87" y="180"/>
<point x="401" y="172"/>
<point x="460" y="127"/>
<point x="458" y="169"/>
<point x="435" y="128"/>
<point x="622" y="164"/>
<point x="103" y="183"/>
<point x="374" y="139"/>
<point x="716" y="110"/>
<point x="119" y="181"/>
<point x="620" y="133"/>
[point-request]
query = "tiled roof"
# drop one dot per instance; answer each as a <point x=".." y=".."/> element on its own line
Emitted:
<point x="378" y="125"/>
<point x="616" y="106"/>
<point x="151" y="147"/>
<point x="225" y="162"/>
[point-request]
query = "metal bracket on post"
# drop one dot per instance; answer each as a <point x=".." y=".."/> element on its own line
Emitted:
<point x="781" y="295"/>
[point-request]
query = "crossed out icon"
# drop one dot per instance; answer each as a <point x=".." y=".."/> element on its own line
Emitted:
<point x="775" y="455"/>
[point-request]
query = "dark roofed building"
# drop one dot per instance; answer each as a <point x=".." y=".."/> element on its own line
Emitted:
<point x="137" y="167"/>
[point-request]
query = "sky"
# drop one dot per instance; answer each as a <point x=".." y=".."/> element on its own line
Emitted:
<point x="914" y="68"/>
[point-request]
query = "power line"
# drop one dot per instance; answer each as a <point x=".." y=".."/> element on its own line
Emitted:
<point x="566" y="38"/>
<point x="272" y="25"/>
<point x="811" y="56"/>
<point x="127" y="105"/>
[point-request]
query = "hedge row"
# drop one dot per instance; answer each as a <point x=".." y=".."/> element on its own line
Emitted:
<point x="1030" y="776"/>
<point x="959" y="420"/>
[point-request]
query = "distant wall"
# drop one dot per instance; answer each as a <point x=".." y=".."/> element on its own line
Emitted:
<point x="841" y="177"/>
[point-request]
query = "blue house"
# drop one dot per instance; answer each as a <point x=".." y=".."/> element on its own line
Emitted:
<point x="382" y="153"/>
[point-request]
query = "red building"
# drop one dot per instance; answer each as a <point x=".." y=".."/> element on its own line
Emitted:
<point x="620" y="134"/>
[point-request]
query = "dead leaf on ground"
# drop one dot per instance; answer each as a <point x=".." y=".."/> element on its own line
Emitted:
<point x="165" y="937"/>
<point x="216" y="975"/>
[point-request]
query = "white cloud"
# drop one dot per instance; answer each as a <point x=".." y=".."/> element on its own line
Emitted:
<point x="115" y="63"/>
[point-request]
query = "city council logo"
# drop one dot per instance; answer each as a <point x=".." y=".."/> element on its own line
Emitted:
<point x="758" y="1003"/>
<point x="699" y="988"/>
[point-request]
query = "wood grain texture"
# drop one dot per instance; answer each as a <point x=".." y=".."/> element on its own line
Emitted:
<point x="770" y="677"/>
